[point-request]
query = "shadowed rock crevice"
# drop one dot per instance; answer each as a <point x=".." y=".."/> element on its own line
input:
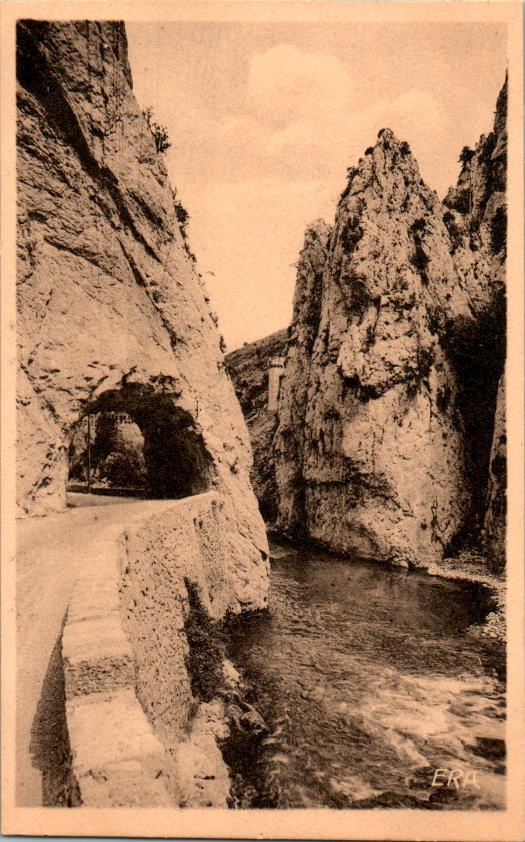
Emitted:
<point x="206" y="648"/>
<point x="478" y="363"/>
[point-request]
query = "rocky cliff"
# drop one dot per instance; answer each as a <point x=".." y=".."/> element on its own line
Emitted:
<point x="248" y="368"/>
<point x="494" y="523"/>
<point x="396" y="350"/>
<point x="295" y="390"/>
<point x="112" y="312"/>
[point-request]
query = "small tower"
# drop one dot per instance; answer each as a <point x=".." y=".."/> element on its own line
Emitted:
<point x="275" y="375"/>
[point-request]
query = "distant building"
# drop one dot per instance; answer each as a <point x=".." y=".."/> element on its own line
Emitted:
<point x="275" y="376"/>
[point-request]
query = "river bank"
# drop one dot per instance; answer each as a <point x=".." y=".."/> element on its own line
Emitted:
<point x="469" y="566"/>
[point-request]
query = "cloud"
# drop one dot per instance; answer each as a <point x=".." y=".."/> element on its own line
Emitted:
<point x="299" y="120"/>
<point x="286" y="84"/>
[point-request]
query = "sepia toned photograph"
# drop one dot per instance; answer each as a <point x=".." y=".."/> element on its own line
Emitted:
<point x="267" y="354"/>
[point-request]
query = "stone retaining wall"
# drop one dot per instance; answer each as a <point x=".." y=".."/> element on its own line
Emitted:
<point x="138" y="736"/>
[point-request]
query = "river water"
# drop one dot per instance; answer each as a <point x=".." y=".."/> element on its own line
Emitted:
<point x="369" y="683"/>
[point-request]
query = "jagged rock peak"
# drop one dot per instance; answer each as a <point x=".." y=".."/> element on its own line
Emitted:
<point x="392" y="367"/>
<point x="389" y="155"/>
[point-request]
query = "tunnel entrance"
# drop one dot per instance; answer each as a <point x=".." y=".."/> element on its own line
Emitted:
<point x="136" y="442"/>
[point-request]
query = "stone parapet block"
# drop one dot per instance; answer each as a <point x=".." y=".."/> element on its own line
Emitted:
<point x="124" y="765"/>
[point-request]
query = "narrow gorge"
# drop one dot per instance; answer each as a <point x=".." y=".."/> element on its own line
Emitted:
<point x="168" y="654"/>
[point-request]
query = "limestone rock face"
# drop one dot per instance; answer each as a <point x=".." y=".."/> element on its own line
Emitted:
<point x="112" y="312"/>
<point x="399" y="327"/>
<point x="248" y="368"/>
<point x="480" y="194"/>
<point x="292" y="408"/>
<point x="495" y="516"/>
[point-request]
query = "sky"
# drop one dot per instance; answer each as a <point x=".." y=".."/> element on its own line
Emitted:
<point x="265" y="118"/>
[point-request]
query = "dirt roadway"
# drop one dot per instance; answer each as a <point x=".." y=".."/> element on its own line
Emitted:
<point x="51" y="551"/>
